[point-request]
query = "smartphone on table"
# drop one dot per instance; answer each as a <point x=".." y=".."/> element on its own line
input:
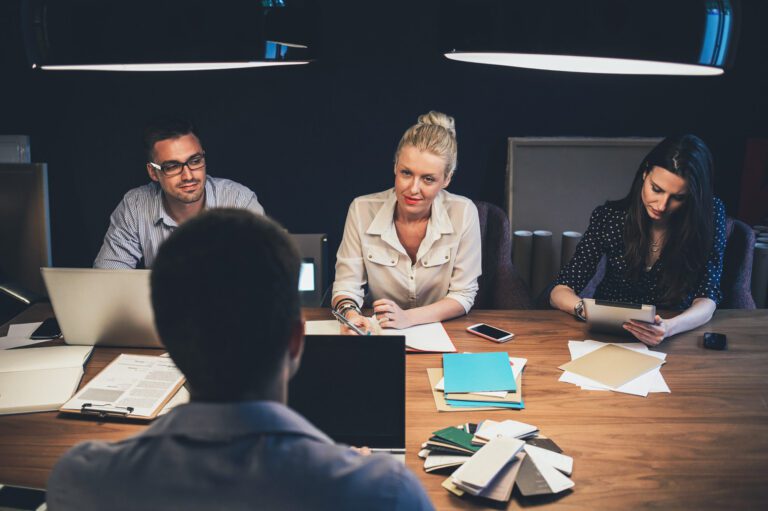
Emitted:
<point x="490" y="332"/>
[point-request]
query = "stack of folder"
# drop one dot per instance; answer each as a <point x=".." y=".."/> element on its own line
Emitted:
<point x="480" y="381"/>
<point x="491" y="458"/>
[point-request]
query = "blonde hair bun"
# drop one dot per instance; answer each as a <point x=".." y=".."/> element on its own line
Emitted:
<point x="439" y="119"/>
<point x="434" y="132"/>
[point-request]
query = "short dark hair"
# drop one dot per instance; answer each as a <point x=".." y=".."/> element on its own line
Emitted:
<point x="163" y="128"/>
<point x="225" y="297"/>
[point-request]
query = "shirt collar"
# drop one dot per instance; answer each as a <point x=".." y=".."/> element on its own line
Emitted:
<point x="159" y="214"/>
<point x="383" y="223"/>
<point x="227" y="421"/>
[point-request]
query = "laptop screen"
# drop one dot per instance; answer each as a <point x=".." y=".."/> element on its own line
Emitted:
<point x="307" y="275"/>
<point x="353" y="389"/>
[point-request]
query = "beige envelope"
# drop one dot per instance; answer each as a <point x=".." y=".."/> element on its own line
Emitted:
<point x="434" y="378"/>
<point x="612" y="365"/>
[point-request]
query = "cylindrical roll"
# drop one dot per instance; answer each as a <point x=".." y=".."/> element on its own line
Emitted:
<point x="541" y="261"/>
<point x="760" y="275"/>
<point x="568" y="246"/>
<point x="522" y="243"/>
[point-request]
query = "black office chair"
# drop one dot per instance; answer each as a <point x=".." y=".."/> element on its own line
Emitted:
<point x="500" y="285"/>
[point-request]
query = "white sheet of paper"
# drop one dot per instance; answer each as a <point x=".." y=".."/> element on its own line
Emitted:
<point x="652" y="381"/>
<point x="23" y="329"/>
<point x="138" y="381"/>
<point x="430" y="337"/>
<point x="7" y="343"/>
<point x="322" y="327"/>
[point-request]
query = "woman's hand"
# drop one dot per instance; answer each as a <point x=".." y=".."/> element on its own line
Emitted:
<point x="390" y="315"/>
<point x="358" y="320"/>
<point x="650" y="333"/>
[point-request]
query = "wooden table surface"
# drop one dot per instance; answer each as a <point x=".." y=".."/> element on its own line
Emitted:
<point x="704" y="446"/>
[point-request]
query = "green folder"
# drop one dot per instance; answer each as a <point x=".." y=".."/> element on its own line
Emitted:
<point x="458" y="437"/>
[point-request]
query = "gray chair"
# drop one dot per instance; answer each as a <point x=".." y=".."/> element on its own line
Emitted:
<point x="500" y="285"/>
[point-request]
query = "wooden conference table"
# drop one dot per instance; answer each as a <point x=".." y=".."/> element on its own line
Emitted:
<point x="704" y="446"/>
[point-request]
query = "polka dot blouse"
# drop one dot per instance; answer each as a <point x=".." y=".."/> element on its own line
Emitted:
<point x="605" y="236"/>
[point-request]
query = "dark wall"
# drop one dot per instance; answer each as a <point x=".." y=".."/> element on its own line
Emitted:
<point x="308" y="139"/>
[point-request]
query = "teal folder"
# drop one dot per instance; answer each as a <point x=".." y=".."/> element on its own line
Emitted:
<point x="478" y="372"/>
<point x="483" y="404"/>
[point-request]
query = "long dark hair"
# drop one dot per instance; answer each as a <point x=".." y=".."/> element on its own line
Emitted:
<point x="689" y="234"/>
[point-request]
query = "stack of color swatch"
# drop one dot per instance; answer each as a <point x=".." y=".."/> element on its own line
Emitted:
<point x="493" y="457"/>
<point x="455" y="386"/>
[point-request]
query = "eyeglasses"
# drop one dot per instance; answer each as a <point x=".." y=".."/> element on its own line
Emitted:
<point x="174" y="168"/>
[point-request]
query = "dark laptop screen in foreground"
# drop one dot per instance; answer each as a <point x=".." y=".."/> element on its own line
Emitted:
<point x="353" y="388"/>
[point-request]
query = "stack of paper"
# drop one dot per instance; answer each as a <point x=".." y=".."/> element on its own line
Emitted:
<point x="629" y="368"/>
<point x="427" y="338"/>
<point x="509" y="453"/>
<point x="40" y="379"/>
<point x="447" y="401"/>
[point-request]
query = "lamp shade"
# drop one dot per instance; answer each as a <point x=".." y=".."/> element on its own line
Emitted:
<point x="165" y="35"/>
<point x="656" y="37"/>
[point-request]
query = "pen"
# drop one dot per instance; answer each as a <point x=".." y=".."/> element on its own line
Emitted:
<point x="348" y="323"/>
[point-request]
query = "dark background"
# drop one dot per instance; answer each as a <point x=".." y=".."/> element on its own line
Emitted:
<point x="308" y="139"/>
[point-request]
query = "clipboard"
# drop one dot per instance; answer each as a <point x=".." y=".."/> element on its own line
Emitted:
<point x="130" y="387"/>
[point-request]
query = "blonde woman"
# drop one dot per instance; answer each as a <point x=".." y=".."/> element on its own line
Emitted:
<point x="416" y="246"/>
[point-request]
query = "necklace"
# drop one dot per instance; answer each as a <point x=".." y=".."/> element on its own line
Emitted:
<point x="656" y="245"/>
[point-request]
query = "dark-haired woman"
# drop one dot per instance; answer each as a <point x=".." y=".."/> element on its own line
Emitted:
<point x="664" y="243"/>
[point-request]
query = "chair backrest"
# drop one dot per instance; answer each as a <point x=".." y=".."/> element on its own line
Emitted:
<point x="500" y="285"/>
<point x="737" y="266"/>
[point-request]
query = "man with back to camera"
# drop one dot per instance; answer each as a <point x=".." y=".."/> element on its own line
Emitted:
<point x="235" y="330"/>
<point x="180" y="189"/>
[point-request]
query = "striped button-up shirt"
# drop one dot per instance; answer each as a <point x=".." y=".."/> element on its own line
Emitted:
<point x="140" y="224"/>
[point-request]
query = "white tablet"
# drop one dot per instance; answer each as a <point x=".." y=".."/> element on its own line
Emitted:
<point x="605" y="316"/>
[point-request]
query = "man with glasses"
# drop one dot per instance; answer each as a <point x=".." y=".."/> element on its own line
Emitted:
<point x="180" y="189"/>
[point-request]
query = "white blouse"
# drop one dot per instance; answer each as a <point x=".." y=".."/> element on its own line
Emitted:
<point x="447" y="262"/>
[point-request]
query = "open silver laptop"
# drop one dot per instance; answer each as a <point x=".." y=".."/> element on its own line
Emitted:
<point x="103" y="307"/>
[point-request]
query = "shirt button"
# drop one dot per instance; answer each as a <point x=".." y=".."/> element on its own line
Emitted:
<point x="446" y="257"/>
<point x="392" y="261"/>
<point x="370" y="256"/>
<point x="411" y="277"/>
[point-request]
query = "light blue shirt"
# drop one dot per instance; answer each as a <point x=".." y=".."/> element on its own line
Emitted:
<point x="247" y="455"/>
<point x="140" y="224"/>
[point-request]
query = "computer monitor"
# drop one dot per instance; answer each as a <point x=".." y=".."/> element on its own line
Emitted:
<point x="25" y="232"/>
<point x="312" y="279"/>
